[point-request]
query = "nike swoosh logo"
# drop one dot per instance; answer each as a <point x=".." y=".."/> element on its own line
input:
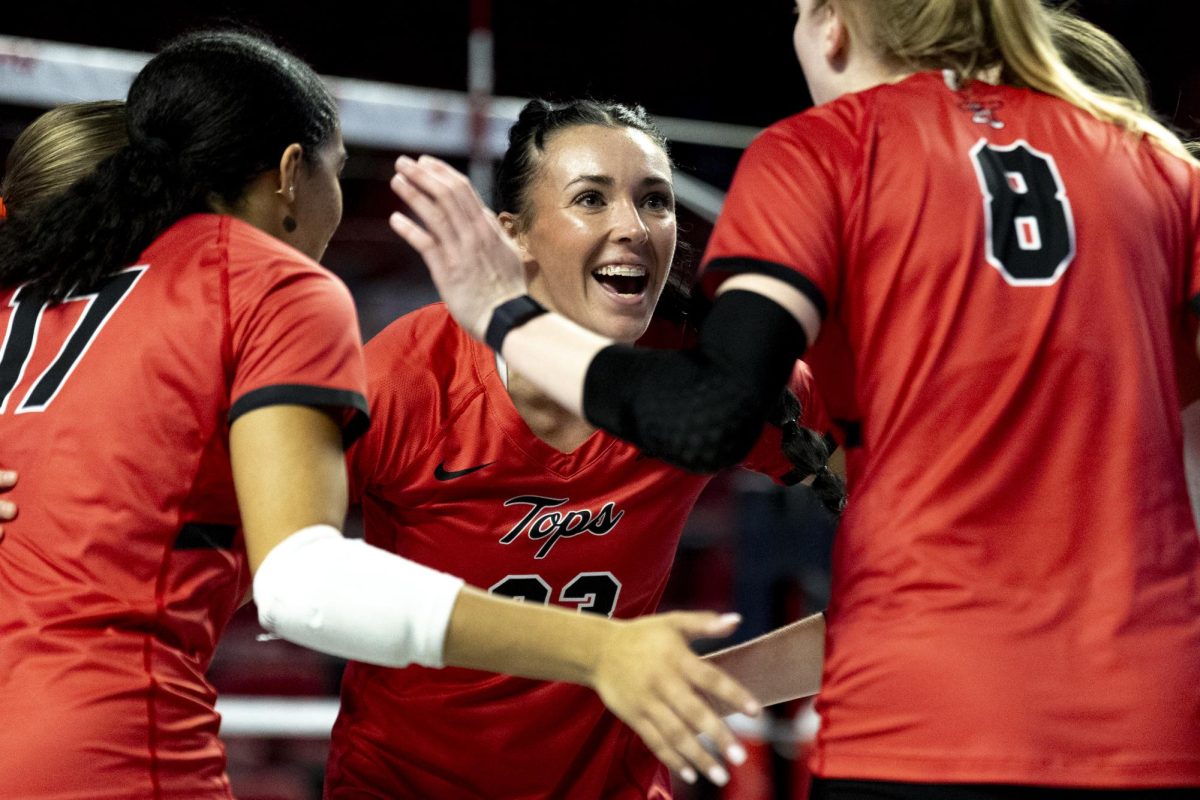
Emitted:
<point x="442" y="474"/>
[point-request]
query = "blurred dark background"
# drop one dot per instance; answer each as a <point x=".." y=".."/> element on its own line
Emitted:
<point x="721" y="62"/>
<point x="748" y="546"/>
<point x="715" y="61"/>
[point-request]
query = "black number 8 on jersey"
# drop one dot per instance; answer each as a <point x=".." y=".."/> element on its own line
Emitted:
<point x="1030" y="230"/>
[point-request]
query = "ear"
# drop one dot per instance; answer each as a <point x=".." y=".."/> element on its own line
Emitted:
<point x="836" y="35"/>
<point x="289" y="168"/>
<point x="511" y="225"/>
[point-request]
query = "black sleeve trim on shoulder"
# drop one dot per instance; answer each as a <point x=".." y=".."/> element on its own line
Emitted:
<point x="297" y="394"/>
<point x="779" y="271"/>
<point x="1195" y="304"/>
<point x="205" y="536"/>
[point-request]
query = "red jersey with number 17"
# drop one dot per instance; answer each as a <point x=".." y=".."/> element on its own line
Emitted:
<point x="451" y="476"/>
<point x="1016" y="591"/>
<point x="126" y="561"/>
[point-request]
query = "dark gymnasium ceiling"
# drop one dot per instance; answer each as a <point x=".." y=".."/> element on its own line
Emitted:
<point x="726" y="62"/>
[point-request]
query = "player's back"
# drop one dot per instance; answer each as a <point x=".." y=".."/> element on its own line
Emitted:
<point x="126" y="561"/>
<point x="1011" y="270"/>
<point x="1003" y="280"/>
<point x="1014" y="274"/>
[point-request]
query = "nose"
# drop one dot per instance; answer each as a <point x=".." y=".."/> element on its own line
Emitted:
<point x="628" y="225"/>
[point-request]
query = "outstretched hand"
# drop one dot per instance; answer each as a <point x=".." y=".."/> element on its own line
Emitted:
<point x="650" y="678"/>
<point x="473" y="264"/>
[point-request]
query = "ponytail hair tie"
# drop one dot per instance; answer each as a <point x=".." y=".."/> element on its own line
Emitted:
<point x="3" y="209"/>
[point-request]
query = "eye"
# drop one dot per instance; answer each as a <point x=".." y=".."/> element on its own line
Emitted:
<point x="589" y="199"/>
<point x="659" y="201"/>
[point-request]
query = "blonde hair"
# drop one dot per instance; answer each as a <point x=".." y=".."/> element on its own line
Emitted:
<point x="971" y="37"/>
<point x="58" y="148"/>
<point x="1097" y="58"/>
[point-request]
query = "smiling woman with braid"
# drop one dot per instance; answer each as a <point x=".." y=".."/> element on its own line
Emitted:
<point x="472" y="469"/>
<point x="1006" y="621"/>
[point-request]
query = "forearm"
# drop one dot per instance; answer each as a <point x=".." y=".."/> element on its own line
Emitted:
<point x="557" y="351"/>
<point x="781" y="665"/>
<point x="700" y="409"/>
<point x="543" y="642"/>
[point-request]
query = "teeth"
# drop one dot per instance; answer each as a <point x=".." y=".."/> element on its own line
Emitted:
<point x="622" y="271"/>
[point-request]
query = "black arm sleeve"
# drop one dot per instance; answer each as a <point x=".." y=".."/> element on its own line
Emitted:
<point x="701" y="409"/>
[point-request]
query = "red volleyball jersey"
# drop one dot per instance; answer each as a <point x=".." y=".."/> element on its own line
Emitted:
<point x="126" y="561"/>
<point x="451" y="476"/>
<point x="1015" y="594"/>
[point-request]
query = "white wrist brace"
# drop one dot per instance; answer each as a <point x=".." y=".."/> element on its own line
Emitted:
<point x="342" y="596"/>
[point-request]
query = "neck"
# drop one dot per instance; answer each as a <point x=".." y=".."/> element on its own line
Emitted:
<point x="549" y="421"/>
<point x="860" y="70"/>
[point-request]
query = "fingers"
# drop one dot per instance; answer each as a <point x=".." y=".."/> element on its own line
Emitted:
<point x="702" y="718"/>
<point x="703" y="624"/>
<point x="675" y="746"/>
<point x="416" y="236"/>
<point x="411" y="187"/>
<point x="707" y="678"/>
<point x="8" y="509"/>
<point x="443" y="191"/>
<point x="679" y="734"/>
<point x="674" y="702"/>
<point x="451" y="187"/>
<point x="469" y="202"/>
<point x="473" y="264"/>
<point x="710" y="681"/>
<point x="662" y="750"/>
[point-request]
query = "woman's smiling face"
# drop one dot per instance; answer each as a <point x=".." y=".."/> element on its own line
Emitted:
<point x="600" y="232"/>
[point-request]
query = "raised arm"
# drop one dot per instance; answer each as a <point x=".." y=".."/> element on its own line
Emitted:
<point x="701" y="409"/>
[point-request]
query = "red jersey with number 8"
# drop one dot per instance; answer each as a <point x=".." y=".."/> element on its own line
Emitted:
<point x="1017" y="576"/>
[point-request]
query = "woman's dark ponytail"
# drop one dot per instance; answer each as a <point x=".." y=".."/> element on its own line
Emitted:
<point x="205" y="117"/>
<point x="99" y="224"/>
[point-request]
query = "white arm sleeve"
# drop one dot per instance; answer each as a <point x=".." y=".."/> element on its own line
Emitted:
<point x="342" y="596"/>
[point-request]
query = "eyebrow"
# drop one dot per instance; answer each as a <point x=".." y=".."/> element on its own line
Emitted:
<point x="606" y="180"/>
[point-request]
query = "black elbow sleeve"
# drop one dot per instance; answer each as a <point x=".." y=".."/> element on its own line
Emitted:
<point x="701" y="409"/>
<point x="672" y="407"/>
